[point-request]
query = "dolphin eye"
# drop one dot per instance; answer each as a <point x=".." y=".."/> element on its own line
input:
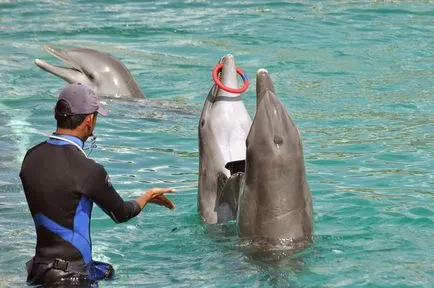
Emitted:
<point x="202" y="123"/>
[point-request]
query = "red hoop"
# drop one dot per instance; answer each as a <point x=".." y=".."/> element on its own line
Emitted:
<point x="219" y="83"/>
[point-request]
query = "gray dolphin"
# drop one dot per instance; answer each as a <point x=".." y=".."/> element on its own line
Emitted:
<point x="275" y="205"/>
<point x="101" y="71"/>
<point x="223" y="128"/>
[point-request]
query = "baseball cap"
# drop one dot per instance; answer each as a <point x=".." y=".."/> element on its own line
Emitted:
<point x="82" y="99"/>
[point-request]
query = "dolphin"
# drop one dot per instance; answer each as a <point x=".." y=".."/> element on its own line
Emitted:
<point x="223" y="128"/>
<point x="105" y="74"/>
<point x="275" y="204"/>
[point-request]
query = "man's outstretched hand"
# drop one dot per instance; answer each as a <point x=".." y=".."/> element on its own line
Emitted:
<point x="162" y="200"/>
<point x="156" y="195"/>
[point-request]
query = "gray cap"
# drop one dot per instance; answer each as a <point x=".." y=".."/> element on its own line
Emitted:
<point x="82" y="99"/>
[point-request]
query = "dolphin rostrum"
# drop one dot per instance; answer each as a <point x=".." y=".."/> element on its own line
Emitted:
<point x="275" y="205"/>
<point x="223" y="128"/>
<point x="105" y="74"/>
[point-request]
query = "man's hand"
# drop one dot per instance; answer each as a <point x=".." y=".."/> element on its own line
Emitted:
<point x="162" y="200"/>
<point x="156" y="195"/>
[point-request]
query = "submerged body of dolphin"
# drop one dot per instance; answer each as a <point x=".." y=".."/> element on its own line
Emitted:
<point x="223" y="128"/>
<point x="266" y="191"/>
<point x="105" y="74"/>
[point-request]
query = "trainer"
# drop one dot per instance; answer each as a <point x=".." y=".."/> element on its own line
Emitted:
<point x="61" y="184"/>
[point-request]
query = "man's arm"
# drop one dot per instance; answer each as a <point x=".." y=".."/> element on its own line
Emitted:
<point x="99" y="189"/>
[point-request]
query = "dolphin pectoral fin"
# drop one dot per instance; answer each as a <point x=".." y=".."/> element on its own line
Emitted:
<point x="228" y="199"/>
<point x="221" y="182"/>
<point x="224" y="213"/>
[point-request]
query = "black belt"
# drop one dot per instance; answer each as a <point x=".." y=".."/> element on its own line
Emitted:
<point x="59" y="264"/>
<point x="37" y="268"/>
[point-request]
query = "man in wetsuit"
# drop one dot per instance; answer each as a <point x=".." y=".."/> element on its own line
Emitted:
<point x="61" y="184"/>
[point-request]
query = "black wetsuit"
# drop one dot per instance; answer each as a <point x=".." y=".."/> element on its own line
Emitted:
<point x="61" y="184"/>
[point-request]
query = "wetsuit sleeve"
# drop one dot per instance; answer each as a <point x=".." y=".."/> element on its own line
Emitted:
<point x="100" y="190"/>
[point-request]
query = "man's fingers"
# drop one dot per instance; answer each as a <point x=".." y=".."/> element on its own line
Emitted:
<point x="168" y="203"/>
<point x="163" y="201"/>
<point x="160" y="191"/>
<point x="155" y="192"/>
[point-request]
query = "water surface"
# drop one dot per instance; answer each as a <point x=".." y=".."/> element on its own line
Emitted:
<point x="357" y="77"/>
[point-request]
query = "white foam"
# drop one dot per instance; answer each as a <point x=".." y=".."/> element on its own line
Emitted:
<point x="20" y="129"/>
<point x="2" y="183"/>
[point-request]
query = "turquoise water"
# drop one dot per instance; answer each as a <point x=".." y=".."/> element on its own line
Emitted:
<point x="356" y="77"/>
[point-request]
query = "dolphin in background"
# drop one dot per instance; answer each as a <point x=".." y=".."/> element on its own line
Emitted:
<point x="223" y="128"/>
<point x="275" y="204"/>
<point x="105" y="74"/>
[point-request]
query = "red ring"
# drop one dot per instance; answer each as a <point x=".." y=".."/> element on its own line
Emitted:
<point x="219" y="83"/>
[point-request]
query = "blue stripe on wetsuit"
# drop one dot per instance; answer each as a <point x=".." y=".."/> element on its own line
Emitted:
<point x="79" y="236"/>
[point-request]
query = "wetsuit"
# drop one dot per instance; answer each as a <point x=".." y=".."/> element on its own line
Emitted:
<point x="61" y="184"/>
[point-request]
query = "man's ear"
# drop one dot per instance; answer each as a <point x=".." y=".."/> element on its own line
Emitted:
<point x="89" y="119"/>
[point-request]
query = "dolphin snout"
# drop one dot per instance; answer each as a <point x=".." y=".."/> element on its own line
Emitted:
<point x="263" y="84"/>
<point x="228" y="59"/>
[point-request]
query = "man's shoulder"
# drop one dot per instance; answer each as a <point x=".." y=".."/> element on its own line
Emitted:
<point x="90" y="163"/>
<point x="94" y="173"/>
<point x="91" y="166"/>
<point x="34" y="148"/>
